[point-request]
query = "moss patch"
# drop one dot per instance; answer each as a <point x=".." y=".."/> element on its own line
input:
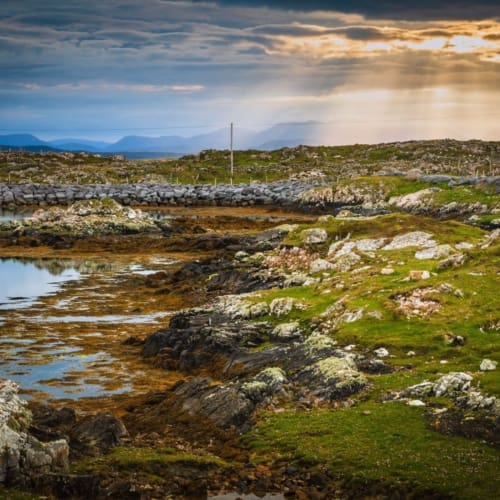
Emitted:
<point x="382" y="442"/>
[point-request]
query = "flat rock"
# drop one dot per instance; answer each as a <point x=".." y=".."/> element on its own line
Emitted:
<point x="413" y="239"/>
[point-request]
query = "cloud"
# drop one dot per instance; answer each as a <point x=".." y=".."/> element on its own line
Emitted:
<point x="123" y="58"/>
<point x="111" y="87"/>
<point x="385" y="9"/>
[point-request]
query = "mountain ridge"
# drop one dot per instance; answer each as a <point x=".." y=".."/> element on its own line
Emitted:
<point x="175" y="145"/>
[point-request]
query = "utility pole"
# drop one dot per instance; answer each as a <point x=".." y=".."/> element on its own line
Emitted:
<point x="232" y="155"/>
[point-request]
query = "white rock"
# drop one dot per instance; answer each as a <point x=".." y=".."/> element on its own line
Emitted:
<point x="241" y="255"/>
<point x="416" y="402"/>
<point x="387" y="271"/>
<point x="346" y="262"/>
<point x="451" y="383"/>
<point x="320" y="265"/>
<point x="346" y="249"/>
<point x="314" y="236"/>
<point x="487" y="365"/>
<point x="437" y="252"/>
<point x="419" y="275"/>
<point x="367" y="245"/>
<point x="413" y="239"/>
<point x="286" y="228"/>
<point x="411" y="353"/>
<point x="381" y="352"/>
<point x="413" y="200"/>
<point x="464" y="246"/>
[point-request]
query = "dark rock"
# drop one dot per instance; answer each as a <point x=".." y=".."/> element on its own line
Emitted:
<point x="97" y="434"/>
<point x="456" y="422"/>
<point x="199" y="338"/>
<point x="47" y="416"/>
<point x="374" y="366"/>
<point x="225" y="405"/>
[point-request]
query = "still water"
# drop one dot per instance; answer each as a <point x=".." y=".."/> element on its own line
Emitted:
<point x="62" y="324"/>
<point x="22" y="282"/>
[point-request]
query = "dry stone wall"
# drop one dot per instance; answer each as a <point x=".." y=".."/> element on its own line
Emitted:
<point x="278" y="193"/>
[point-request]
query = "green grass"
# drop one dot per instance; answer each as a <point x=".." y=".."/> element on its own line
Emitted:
<point x="11" y="494"/>
<point x="467" y="194"/>
<point x="149" y="460"/>
<point x="382" y="442"/>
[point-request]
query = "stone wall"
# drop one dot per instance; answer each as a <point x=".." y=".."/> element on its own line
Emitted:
<point x="277" y="193"/>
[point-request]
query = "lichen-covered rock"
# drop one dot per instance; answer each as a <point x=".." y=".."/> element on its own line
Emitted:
<point x="285" y="332"/>
<point x="416" y="201"/>
<point x="22" y="456"/>
<point x="370" y="245"/>
<point x="90" y="217"/>
<point x="266" y="383"/>
<point x="455" y="386"/>
<point x="414" y="239"/>
<point x="346" y="262"/>
<point x="333" y="378"/>
<point x="349" y="317"/>
<point x="320" y="265"/>
<point x="314" y="236"/>
<point x="317" y="344"/>
<point x="286" y="228"/>
<point x="240" y="307"/>
<point x="437" y="252"/>
<point x="285" y="305"/>
<point x="453" y="261"/>
<point x="452" y="383"/>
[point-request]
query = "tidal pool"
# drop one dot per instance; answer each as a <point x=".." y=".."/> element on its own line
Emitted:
<point x="23" y="281"/>
<point x="63" y="323"/>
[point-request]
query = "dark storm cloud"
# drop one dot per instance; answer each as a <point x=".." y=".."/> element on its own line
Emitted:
<point x="353" y="32"/>
<point x="386" y="9"/>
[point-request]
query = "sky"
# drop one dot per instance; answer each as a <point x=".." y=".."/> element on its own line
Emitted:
<point x="376" y="71"/>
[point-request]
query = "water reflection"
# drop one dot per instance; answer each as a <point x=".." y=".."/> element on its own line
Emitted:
<point x="23" y="281"/>
<point x="51" y="344"/>
<point x="8" y="215"/>
<point x="57" y="376"/>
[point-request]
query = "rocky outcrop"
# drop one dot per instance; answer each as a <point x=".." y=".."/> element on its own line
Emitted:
<point x="456" y="386"/>
<point x="22" y="456"/>
<point x="200" y="338"/>
<point x="90" y="217"/>
<point x="225" y="342"/>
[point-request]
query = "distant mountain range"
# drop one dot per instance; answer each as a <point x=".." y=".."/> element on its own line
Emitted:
<point x="278" y="136"/>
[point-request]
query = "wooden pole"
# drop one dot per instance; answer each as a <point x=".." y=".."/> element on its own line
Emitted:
<point x="232" y="155"/>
